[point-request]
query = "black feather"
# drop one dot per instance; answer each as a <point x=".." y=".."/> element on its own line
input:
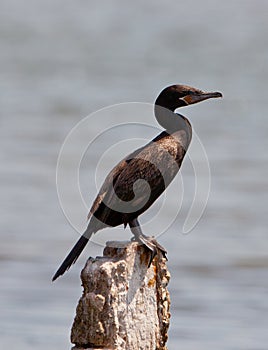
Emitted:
<point x="71" y="257"/>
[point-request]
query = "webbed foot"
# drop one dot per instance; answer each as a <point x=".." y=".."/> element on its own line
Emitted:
<point x="150" y="242"/>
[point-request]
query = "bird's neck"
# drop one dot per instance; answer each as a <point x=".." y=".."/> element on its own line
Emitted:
<point x="169" y="120"/>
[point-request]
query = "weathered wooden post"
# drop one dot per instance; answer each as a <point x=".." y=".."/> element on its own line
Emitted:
<point x="125" y="304"/>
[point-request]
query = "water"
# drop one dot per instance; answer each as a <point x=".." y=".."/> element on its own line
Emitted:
<point x="61" y="61"/>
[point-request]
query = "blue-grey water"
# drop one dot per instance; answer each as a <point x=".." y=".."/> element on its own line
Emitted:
<point x="61" y="60"/>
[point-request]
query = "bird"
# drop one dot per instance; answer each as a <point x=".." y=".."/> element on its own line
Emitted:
<point x="136" y="182"/>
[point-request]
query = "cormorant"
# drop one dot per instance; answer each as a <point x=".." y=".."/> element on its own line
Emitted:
<point x="120" y="200"/>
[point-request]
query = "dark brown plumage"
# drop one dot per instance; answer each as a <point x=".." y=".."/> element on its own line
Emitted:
<point x="125" y="194"/>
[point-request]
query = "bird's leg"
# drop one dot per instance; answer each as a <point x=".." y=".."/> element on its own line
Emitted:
<point x="149" y="242"/>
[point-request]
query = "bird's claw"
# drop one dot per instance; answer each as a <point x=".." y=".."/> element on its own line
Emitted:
<point x="152" y="244"/>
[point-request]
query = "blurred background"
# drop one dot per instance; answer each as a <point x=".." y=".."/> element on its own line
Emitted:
<point x="63" y="60"/>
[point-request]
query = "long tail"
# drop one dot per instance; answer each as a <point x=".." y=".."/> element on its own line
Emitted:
<point x="71" y="257"/>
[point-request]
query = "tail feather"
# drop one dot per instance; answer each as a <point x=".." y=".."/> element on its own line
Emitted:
<point x="71" y="257"/>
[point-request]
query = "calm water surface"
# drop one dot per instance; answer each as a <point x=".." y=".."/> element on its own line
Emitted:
<point x="61" y="61"/>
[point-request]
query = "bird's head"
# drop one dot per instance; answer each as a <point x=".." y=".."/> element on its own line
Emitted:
<point x="175" y="96"/>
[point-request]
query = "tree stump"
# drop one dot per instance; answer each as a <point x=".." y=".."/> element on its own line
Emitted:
<point x="125" y="304"/>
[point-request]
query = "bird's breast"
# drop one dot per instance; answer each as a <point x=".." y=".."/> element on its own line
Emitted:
<point x="174" y="145"/>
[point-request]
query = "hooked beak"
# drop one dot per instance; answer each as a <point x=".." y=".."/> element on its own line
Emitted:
<point x="199" y="96"/>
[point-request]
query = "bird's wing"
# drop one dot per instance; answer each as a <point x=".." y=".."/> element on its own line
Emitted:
<point x="142" y="180"/>
<point x="152" y="163"/>
<point x="110" y="180"/>
<point x="149" y="166"/>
